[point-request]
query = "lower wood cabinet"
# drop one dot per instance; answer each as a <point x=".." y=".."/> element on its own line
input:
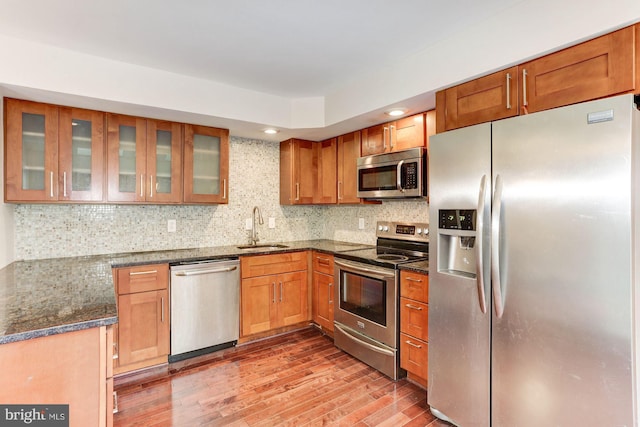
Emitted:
<point x="143" y="316"/>
<point x="71" y="368"/>
<point x="274" y="291"/>
<point x="414" y="325"/>
<point x="323" y="290"/>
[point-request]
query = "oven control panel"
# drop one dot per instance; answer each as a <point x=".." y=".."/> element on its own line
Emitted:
<point x="417" y="231"/>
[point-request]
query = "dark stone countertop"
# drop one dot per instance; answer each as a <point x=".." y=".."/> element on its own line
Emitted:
<point x="51" y="296"/>
<point x="418" y="266"/>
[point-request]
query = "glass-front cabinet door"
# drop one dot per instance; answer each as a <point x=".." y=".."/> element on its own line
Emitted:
<point x="81" y="154"/>
<point x="206" y="164"/>
<point x="164" y="162"/>
<point x="31" y="172"/>
<point x="126" y="158"/>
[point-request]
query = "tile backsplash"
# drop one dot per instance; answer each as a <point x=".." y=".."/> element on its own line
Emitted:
<point x="51" y="231"/>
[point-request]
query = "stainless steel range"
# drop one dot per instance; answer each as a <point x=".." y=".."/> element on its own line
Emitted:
<point x="366" y="317"/>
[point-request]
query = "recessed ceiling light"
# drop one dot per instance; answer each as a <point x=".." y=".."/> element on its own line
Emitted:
<point x="396" y="112"/>
<point x="271" y="131"/>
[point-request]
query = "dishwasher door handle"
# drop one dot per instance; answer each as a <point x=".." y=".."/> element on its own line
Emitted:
<point x="206" y="271"/>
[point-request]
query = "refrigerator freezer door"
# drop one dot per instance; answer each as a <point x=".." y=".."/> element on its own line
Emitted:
<point x="562" y="348"/>
<point x="459" y="324"/>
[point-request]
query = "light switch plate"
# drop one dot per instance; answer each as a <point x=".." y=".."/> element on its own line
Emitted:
<point x="361" y="223"/>
<point x="272" y="223"/>
<point x="248" y="224"/>
<point x="171" y="226"/>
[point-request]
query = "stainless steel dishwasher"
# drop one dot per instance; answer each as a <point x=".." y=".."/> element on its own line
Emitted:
<point x="205" y="307"/>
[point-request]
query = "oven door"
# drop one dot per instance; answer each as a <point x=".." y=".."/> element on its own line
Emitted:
<point x="367" y="300"/>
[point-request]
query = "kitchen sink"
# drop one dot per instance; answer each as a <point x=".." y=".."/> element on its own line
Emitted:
<point x="267" y="246"/>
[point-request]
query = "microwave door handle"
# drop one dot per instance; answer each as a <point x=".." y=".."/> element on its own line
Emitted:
<point x="399" y="176"/>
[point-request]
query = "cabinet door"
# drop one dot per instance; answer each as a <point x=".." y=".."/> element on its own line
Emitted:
<point x="258" y="303"/>
<point x="408" y="132"/>
<point x="327" y="152"/>
<point x="126" y="158"/>
<point x="81" y="148"/>
<point x="292" y="298"/>
<point x="164" y="162"/>
<point x="31" y="150"/>
<point x="348" y="153"/>
<point x="298" y="170"/>
<point x="143" y="331"/>
<point x="323" y="297"/>
<point x="481" y="100"/>
<point x="206" y="164"/>
<point x="375" y="140"/>
<point x="595" y="69"/>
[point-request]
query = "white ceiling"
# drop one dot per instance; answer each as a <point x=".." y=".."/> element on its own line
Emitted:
<point x="294" y="49"/>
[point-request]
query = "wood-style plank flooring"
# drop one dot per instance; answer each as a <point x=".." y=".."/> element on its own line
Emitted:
<point x="297" y="379"/>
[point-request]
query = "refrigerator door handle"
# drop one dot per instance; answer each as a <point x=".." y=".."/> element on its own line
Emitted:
<point x="479" y="249"/>
<point x="495" y="248"/>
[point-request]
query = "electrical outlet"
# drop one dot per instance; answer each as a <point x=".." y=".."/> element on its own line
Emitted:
<point x="248" y="224"/>
<point x="171" y="226"/>
<point x="272" y="223"/>
<point x="361" y="223"/>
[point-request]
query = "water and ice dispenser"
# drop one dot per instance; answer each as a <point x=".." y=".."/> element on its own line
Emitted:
<point x="456" y="242"/>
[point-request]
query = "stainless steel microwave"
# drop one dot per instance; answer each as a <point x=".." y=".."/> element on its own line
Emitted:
<point x="401" y="174"/>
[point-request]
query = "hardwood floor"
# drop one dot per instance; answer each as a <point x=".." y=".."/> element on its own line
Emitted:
<point x="297" y="379"/>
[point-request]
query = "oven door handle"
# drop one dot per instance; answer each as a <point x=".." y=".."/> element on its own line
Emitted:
<point x="360" y="342"/>
<point x="377" y="274"/>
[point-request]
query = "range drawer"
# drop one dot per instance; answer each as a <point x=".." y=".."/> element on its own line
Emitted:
<point x="323" y="263"/>
<point x="142" y="278"/>
<point x="414" y="355"/>
<point x="263" y="265"/>
<point x="414" y="318"/>
<point x="414" y="285"/>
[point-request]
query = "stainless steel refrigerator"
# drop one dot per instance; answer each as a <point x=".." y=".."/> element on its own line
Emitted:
<point x="533" y="274"/>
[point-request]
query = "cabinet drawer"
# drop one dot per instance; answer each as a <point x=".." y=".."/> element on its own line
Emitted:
<point x="414" y="286"/>
<point x="142" y="278"/>
<point x="414" y="318"/>
<point x="414" y="355"/>
<point x="323" y="263"/>
<point x="262" y="265"/>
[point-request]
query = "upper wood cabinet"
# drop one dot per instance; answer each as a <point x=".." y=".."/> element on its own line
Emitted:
<point x="348" y="153"/>
<point x="401" y="134"/>
<point x="53" y="153"/>
<point x="144" y="160"/>
<point x="481" y="100"/>
<point x="327" y="176"/>
<point x="206" y="164"/>
<point x="594" y="69"/>
<point x="298" y="169"/>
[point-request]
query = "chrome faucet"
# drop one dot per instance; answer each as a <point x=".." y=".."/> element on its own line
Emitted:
<point x="254" y="235"/>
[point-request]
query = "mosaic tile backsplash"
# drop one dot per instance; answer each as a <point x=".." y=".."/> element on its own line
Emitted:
<point x="52" y="231"/>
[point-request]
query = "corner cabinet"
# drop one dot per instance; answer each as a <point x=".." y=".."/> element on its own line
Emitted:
<point x="53" y="154"/>
<point x="206" y="165"/>
<point x="71" y="368"/>
<point x="298" y="168"/>
<point x="274" y="291"/>
<point x="142" y="336"/>
<point x="144" y="160"/>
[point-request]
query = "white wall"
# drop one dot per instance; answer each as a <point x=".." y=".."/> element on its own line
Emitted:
<point x="7" y="250"/>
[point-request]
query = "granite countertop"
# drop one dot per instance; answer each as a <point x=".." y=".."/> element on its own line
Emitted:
<point x="51" y="296"/>
<point x="418" y="266"/>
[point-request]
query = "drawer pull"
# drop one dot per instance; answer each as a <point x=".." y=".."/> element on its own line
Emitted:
<point x="413" y="307"/>
<point x="141" y="273"/>
<point x="411" y="279"/>
<point x="412" y="344"/>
